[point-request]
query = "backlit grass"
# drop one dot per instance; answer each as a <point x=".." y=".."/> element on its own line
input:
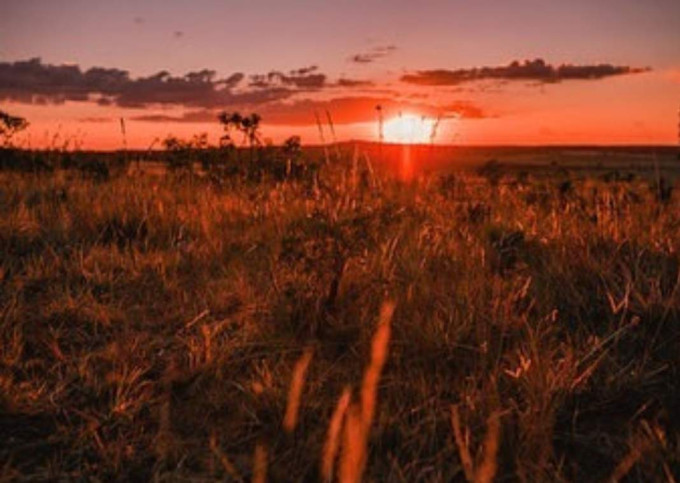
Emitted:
<point x="164" y="326"/>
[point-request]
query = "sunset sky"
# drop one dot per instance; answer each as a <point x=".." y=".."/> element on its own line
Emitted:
<point x="495" y="71"/>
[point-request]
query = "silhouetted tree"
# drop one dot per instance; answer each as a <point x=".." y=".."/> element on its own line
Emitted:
<point x="251" y="129"/>
<point x="292" y="147"/>
<point x="229" y="122"/>
<point x="249" y="126"/>
<point x="9" y="126"/>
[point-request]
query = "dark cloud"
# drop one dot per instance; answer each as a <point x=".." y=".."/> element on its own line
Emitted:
<point x="234" y="79"/>
<point x="31" y="81"/>
<point x="202" y="94"/>
<point x="178" y="34"/>
<point x="139" y="20"/>
<point x="306" y="77"/>
<point x="353" y="83"/>
<point x="529" y="70"/>
<point x="305" y="70"/>
<point x="372" y="55"/>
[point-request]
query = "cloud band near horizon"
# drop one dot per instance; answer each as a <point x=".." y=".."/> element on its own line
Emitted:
<point x="281" y="98"/>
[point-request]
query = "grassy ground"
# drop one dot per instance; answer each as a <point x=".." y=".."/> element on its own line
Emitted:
<point x="163" y="327"/>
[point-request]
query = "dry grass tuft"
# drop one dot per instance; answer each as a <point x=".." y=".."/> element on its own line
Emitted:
<point x="359" y="416"/>
<point x="485" y="470"/>
<point x="260" y="463"/>
<point x="488" y="467"/>
<point x="332" y="443"/>
<point x="295" y="393"/>
<point x="353" y="457"/>
<point x="463" y="444"/>
<point x="379" y="352"/>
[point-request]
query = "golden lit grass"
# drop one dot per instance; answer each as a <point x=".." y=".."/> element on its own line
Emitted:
<point x="485" y="471"/>
<point x="332" y="443"/>
<point x="260" y="464"/>
<point x="157" y="328"/>
<point x="295" y="392"/>
<point x="379" y="352"/>
<point x="359" y="415"/>
<point x="489" y="464"/>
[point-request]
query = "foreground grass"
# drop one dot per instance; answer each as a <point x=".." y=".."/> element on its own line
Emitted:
<point x="156" y="327"/>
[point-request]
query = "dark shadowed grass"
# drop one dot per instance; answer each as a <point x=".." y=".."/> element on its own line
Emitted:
<point x="151" y="327"/>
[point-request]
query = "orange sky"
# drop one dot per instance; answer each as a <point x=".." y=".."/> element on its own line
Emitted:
<point x="533" y="72"/>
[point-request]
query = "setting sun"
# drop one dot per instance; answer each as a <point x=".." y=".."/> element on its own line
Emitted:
<point x="408" y="129"/>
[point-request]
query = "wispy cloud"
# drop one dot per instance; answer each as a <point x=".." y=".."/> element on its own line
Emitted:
<point x="529" y="70"/>
<point x="97" y="119"/>
<point x="373" y="55"/>
<point x="344" y="110"/>
<point x="464" y="110"/>
<point x="351" y="83"/>
<point x="197" y="116"/>
<point x="306" y="77"/>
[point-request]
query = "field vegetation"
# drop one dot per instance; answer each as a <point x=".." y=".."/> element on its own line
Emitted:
<point x="284" y="316"/>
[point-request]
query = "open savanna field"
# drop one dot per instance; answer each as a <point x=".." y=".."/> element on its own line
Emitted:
<point x="325" y="320"/>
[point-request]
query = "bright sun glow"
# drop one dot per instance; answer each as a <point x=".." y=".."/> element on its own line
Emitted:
<point x="408" y="129"/>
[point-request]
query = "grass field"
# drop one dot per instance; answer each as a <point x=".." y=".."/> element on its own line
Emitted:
<point x="462" y="326"/>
